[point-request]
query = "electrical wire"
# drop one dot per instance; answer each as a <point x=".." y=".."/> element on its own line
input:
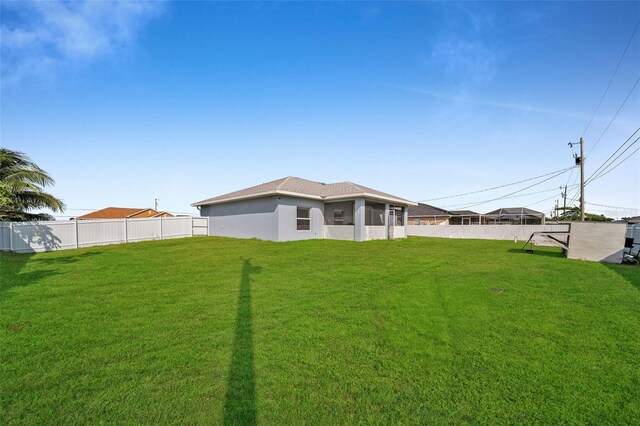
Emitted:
<point x="515" y="196"/>
<point x="612" y="77"/>
<point x="541" y="201"/>
<point x="497" y="187"/>
<point x="605" y="166"/>
<point x="515" y="192"/>
<point x="614" y="116"/>
<point x="613" y="207"/>
<point x="616" y="166"/>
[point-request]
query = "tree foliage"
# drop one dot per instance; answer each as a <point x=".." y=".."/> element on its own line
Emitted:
<point x="22" y="185"/>
<point x="573" y="214"/>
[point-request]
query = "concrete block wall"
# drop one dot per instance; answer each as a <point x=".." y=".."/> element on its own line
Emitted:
<point x="600" y="242"/>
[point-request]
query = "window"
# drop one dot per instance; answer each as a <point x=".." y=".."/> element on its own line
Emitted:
<point x="338" y="217"/>
<point x="304" y="219"/>
<point x="416" y="221"/>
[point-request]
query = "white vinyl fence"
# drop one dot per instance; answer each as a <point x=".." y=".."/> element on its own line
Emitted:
<point x="483" y="232"/>
<point x="28" y="237"/>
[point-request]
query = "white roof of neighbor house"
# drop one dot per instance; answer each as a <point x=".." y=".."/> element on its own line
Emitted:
<point x="304" y="188"/>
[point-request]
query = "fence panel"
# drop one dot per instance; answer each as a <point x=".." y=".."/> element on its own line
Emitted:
<point x="176" y="227"/>
<point x="25" y="237"/>
<point x="200" y="226"/>
<point x="4" y="236"/>
<point x="143" y="229"/>
<point x="482" y="232"/>
<point x="100" y="232"/>
<point x="28" y="237"/>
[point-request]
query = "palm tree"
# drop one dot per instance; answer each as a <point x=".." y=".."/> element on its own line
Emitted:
<point x="21" y="188"/>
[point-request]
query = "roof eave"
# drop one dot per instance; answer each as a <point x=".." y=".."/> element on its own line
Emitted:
<point x="371" y="197"/>
<point x="256" y="195"/>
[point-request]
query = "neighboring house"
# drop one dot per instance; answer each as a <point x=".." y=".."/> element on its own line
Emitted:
<point x="464" y="217"/>
<point x="122" y="213"/>
<point x="513" y="216"/>
<point x="424" y="214"/>
<point x="298" y="209"/>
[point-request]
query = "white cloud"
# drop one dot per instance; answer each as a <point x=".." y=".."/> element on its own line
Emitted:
<point x="621" y="122"/>
<point x="40" y="37"/>
<point x="466" y="59"/>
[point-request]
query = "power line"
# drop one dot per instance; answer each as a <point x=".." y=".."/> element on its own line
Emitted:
<point x="613" y="207"/>
<point x="616" y="166"/>
<point x="612" y="77"/>
<point x="605" y="165"/>
<point x="595" y="174"/>
<point x="498" y="187"/>
<point x="515" y="192"/>
<point x="615" y="152"/>
<point x="614" y="116"/>
<point x="541" y="201"/>
<point x="516" y="196"/>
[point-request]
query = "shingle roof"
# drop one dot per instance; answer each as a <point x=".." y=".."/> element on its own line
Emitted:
<point x="463" y="213"/>
<point x="111" y="213"/>
<point x="307" y="188"/>
<point x="426" y="210"/>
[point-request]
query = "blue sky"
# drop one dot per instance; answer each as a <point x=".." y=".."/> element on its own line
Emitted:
<point x="126" y="102"/>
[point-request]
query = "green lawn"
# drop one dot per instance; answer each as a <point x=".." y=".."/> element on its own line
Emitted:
<point x="212" y="330"/>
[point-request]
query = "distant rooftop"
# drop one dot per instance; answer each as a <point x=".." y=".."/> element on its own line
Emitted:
<point x="122" y="213"/>
<point x="427" y="210"/>
<point x="463" y="213"/>
<point x="515" y="211"/>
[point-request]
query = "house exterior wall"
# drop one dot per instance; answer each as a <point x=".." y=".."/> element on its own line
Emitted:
<point x="275" y="218"/>
<point x="339" y="232"/>
<point x="288" y="215"/>
<point x="254" y="218"/>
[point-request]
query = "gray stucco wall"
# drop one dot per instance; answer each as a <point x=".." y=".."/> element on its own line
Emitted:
<point x="255" y="218"/>
<point x="287" y="219"/>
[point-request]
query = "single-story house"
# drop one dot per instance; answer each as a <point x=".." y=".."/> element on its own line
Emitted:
<point x="513" y="216"/>
<point x="464" y="217"/>
<point x="292" y="208"/>
<point x="424" y="214"/>
<point x="122" y="213"/>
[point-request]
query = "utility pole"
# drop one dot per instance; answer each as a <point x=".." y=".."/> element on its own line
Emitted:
<point x="155" y="201"/>
<point x="580" y="162"/>
<point x="564" y="196"/>
<point x="581" y="180"/>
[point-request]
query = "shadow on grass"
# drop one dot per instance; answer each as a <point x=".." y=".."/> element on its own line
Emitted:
<point x="630" y="273"/>
<point x="240" y="401"/>
<point x="538" y="252"/>
<point x="13" y="265"/>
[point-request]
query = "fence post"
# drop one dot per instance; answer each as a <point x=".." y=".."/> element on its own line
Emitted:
<point x="77" y="236"/>
<point x="160" y="227"/>
<point x="126" y="231"/>
<point x="11" y="236"/>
